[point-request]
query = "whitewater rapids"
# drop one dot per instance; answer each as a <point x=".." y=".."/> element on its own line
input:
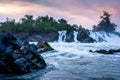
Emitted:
<point x="73" y="61"/>
<point x="76" y="58"/>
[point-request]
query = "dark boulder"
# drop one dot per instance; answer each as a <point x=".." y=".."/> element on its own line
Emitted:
<point x="2" y="46"/>
<point x="17" y="58"/>
<point x="83" y="36"/>
<point x="21" y="65"/>
<point x="69" y="36"/>
<point x="43" y="46"/>
<point x="111" y="51"/>
<point x="25" y="43"/>
<point x="2" y="66"/>
<point x="9" y="39"/>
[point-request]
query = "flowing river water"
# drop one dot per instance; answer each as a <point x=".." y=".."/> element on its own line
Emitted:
<point x="73" y="61"/>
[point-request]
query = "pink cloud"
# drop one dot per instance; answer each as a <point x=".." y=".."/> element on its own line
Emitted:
<point x="74" y="11"/>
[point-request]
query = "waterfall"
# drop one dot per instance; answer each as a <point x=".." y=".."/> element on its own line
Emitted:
<point x="62" y="36"/>
<point x="102" y="36"/>
<point x="75" y="36"/>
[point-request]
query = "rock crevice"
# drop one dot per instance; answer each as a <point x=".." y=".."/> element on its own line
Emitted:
<point x="17" y="58"/>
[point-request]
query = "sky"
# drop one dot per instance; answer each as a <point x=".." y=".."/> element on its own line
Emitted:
<point x="81" y="12"/>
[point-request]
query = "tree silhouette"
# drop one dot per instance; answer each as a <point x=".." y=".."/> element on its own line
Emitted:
<point x="105" y="23"/>
<point x="28" y="23"/>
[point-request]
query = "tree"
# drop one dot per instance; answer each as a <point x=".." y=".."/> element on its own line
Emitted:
<point x="105" y="23"/>
<point x="45" y="24"/>
<point x="63" y="25"/>
<point x="8" y="25"/>
<point x="41" y="24"/>
<point x="27" y="23"/>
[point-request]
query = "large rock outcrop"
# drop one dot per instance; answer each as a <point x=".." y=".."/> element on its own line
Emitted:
<point x="17" y="58"/>
<point x="83" y="36"/>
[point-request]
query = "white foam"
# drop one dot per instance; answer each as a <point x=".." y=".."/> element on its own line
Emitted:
<point x="62" y="36"/>
<point x="82" y="48"/>
<point x="75" y="36"/>
<point x="107" y="37"/>
<point x="72" y="56"/>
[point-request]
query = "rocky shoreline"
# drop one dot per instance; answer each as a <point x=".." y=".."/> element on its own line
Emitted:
<point x="20" y="58"/>
<point x="36" y="37"/>
<point x="68" y="36"/>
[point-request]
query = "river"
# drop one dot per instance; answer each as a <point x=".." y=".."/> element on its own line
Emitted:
<point x="73" y="61"/>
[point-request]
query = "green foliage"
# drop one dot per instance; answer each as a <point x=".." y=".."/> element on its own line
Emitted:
<point x="105" y="24"/>
<point x="45" y="24"/>
<point x="8" y="25"/>
<point x="39" y="25"/>
<point x="62" y="25"/>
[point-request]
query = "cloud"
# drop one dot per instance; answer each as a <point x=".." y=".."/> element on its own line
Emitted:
<point x="81" y="12"/>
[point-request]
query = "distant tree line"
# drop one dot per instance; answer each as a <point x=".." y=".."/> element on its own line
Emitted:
<point x="43" y="24"/>
<point x="39" y="25"/>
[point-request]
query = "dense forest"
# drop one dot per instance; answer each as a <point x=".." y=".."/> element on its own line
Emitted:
<point x="40" y="24"/>
<point x="44" y="24"/>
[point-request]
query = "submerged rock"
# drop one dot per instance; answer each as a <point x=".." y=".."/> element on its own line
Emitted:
<point x="17" y="58"/>
<point x="43" y="46"/>
<point x="111" y="51"/>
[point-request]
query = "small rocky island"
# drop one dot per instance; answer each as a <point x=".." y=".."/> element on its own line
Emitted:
<point x="20" y="58"/>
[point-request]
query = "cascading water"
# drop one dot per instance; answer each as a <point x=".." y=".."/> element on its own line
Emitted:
<point x="106" y="37"/>
<point x="75" y="58"/>
<point x="73" y="61"/>
<point x="98" y="36"/>
<point x="75" y="36"/>
<point x="62" y="36"/>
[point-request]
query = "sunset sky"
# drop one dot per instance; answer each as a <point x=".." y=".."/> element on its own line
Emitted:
<point x="81" y="12"/>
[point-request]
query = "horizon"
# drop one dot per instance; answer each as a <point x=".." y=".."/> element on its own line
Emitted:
<point x="86" y="13"/>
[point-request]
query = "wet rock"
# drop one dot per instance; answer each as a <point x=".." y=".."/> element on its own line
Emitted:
<point x="91" y="51"/>
<point x="9" y="39"/>
<point x="83" y="36"/>
<point x="101" y="39"/>
<point x="69" y="36"/>
<point x="33" y="47"/>
<point x="111" y="51"/>
<point x="25" y="43"/>
<point x="17" y="58"/>
<point x="49" y="37"/>
<point x="2" y="66"/>
<point x="9" y="49"/>
<point x="2" y="47"/>
<point x="43" y="46"/>
<point x="21" y="65"/>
